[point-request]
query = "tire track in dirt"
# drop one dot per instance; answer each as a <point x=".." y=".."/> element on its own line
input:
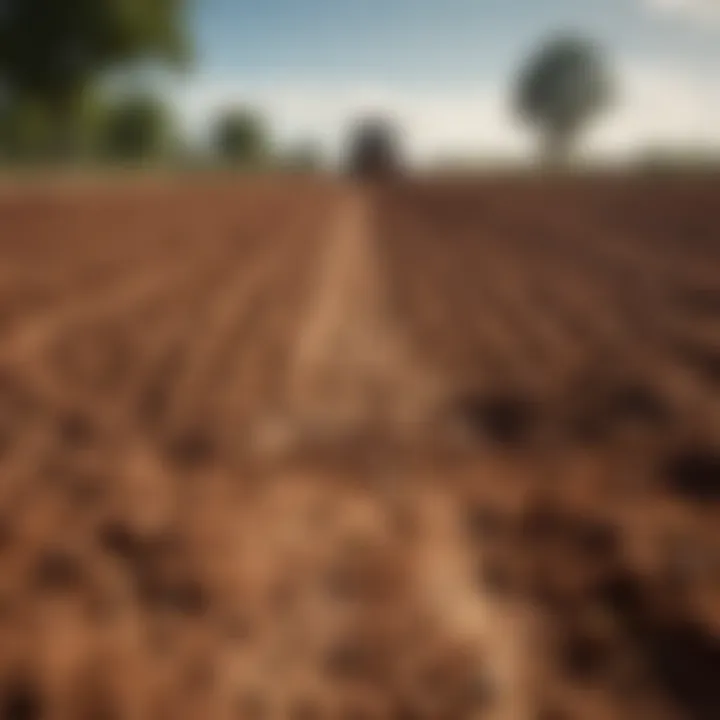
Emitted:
<point x="167" y="335"/>
<point x="127" y="291"/>
<point x="500" y="634"/>
<point x="351" y="371"/>
<point x="231" y="314"/>
<point x="127" y="295"/>
<point x="250" y="373"/>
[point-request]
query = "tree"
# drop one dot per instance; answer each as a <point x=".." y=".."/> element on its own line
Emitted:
<point x="240" y="137"/>
<point x="28" y="132"/>
<point x="137" y="128"/>
<point x="562" y="87"/>
<point x="51" y="52"/>
<point x="374" y="148"/>
<point x="24" y="131"/>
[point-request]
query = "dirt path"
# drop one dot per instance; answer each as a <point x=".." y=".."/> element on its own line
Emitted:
<point x="498" y="633"/>
<point x="353" y="372"/>
<point x="351" y="369"/>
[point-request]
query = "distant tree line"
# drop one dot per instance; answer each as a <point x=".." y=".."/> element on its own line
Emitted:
<point x="140" y="127"/>
<point x="562" y="87"/>
<point x="55" y="60"/>
<point x="56" y="57"/>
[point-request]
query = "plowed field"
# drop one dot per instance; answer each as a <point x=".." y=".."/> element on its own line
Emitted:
<point x="304" y="449"/>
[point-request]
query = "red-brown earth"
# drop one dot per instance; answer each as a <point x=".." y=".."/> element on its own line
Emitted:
<point x="291" y="448"/>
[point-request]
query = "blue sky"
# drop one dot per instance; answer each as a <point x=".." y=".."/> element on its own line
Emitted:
<point x="312" y="63"/>
<point x="415" y="40"/>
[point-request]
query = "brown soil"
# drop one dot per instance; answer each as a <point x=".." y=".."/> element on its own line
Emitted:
<point x="299" y="449"/>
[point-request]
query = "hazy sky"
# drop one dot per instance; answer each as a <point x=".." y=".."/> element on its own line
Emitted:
<point x="444" y="67"/>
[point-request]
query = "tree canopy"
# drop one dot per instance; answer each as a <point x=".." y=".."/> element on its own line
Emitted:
<point x="561" y="88"/>
<point x="54" y="53"/>
<point x="138" y="127"/>
<point x="374" y="148"/>
<point x="49" y="49"/>
<point x="240" y="136"/>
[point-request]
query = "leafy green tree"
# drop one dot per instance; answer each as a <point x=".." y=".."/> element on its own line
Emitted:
<point x="24" y="131"/>
<point x="241" y="137"/>
<point x="562" y="87"/>
<point x="137" y="128"/>
<point x="374" y="148"/>
<point x="28" y="131"/>
<point x="52" y="51"/>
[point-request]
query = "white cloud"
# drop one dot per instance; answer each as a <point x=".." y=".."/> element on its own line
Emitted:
<point x="701" y="10"/>
<point x="657" y="105"/>
<point x="661" y="105"/>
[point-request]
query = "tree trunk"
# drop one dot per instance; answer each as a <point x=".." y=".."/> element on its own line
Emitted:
<point x="556" y="150"/>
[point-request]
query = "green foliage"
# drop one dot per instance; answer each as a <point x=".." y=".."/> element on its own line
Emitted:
<point x="562" y="87"/>
<point x="53" y="52"/>
<point x="25" y="131"/>
<point x="50" y="49"/>
<point x="240" y="136"/>
<point x="137" y="128"/>
<point x="31" y="132"/>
